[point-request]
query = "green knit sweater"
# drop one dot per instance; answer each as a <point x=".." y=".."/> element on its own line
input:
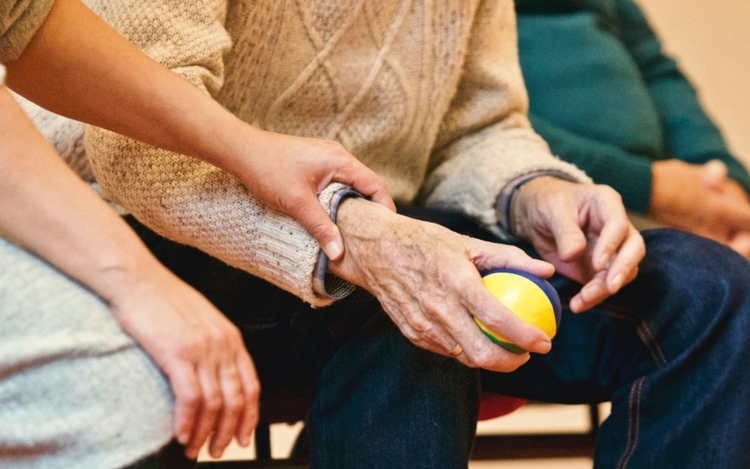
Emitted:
<point x="606" y="98"/>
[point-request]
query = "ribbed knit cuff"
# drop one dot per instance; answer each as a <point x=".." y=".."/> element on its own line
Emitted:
<point x="326" y="285"/>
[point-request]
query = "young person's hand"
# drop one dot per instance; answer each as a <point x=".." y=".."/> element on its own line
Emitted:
<point x="287" y="173"/>
<point x="73" y="71"/>
<point x="49" y="211"/>
<point x="203" y="355"/>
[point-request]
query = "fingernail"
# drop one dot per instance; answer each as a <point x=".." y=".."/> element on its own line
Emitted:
<point x="543" y="346"/>
<point x="591" y="292"/>
<point x="617" y="282"/>
<point x="603" y="261"/>
<point x="333" y="250"/>
<point x="244" y="441"/>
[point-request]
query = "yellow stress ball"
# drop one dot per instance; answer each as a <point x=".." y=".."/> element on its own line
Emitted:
<point x="531" y="298"/>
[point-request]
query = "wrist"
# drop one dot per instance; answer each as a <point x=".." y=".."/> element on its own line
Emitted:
<point x="237" y="148"/>
<point x="362" y="223"/>
<point x="325" y="284"/>
<point x="124" y="269"/>
<point x="523" y="200"/>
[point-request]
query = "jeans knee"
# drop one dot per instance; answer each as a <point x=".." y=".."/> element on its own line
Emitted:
<point x="699" y="288"/>
<point x="693" y="263"/>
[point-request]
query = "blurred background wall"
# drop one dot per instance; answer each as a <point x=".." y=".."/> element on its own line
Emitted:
<point x="711" y="40"/>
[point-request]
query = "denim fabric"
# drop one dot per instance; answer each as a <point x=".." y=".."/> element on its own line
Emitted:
<point x="670" y="351"/>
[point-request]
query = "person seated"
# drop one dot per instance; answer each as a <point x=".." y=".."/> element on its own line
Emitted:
<point x="106" y="356"/>
<point x="606" y="98"/>
<point x="431" y="97"/>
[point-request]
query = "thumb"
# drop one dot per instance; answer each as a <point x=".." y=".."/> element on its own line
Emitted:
<point x="713" y="174"/>
<point x="316" y="221"/>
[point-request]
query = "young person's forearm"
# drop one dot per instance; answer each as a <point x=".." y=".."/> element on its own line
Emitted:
<point x="72" y="70"/>
<point x="46" y="208"/>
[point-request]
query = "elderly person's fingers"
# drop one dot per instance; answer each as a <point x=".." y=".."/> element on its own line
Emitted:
<point x="487" y="256"/>
<point x="624" y="265"/>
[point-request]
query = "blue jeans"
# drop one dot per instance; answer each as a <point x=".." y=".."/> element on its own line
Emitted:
<point x="671" y="352"/>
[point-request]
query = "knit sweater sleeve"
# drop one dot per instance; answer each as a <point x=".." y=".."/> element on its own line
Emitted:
<point x="628" y="173"/>
<point x="486" y="141"/>
<point x="184" y="199"/>
<point x="690" y="134"/>
<point x="19" y="21"/>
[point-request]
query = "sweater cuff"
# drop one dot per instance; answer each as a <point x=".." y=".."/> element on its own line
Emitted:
<point x="503" y="202"/>
<point x="326" y="285"/>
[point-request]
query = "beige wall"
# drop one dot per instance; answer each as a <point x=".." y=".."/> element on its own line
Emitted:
<point x="711" y="39"/>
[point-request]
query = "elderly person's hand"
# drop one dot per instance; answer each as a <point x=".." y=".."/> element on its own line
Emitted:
<point x="583" y="230"/>
<point x="701" y="199"/>
<point x="427" y="279"/>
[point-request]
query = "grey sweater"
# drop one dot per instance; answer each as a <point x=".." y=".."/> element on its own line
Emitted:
<point x="75" y="390"/>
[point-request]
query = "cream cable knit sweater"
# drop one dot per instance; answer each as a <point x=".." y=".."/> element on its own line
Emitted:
<point x="428" y="94"/>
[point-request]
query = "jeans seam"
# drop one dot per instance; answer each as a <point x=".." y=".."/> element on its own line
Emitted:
<point x="643" y="331"/>
<point x="634" y="422"/>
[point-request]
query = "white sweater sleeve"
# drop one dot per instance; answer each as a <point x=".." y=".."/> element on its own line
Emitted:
<point x="182" y="198"/>
<point x="19" y="22"/>
<point x="486" y="141"/>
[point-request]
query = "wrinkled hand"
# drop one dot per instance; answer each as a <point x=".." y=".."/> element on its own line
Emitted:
<point x="290" y="173"/>
<point x="427" y="279"/>
<point x="701" y="199"/>
<point x="583" y="230"/>
<point x="201" y="352"/>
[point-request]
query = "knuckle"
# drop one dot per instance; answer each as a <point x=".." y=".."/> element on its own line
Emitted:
<point x="420" y="325"/>
<point x="233" y="335"/>
<point x="234" y="403"/>
<point x="252" y="394"/>
<point x="187" y="348"/>
<point x="470" y="361"/>
<point x="191" y="396"/>
<point x="483" y="356"/>
<point x="295" y="199"/>
<point x="212" y="401"/>
<point x="319" y="229"/>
